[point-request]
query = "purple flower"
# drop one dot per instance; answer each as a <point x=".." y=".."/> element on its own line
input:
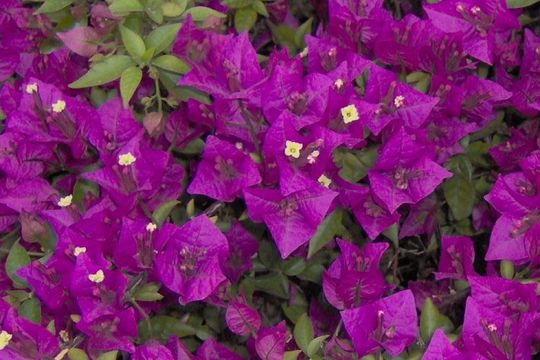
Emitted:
<point x="188" y="263"/>
<point x="457" y="258"/>
<point x="211" y="350"/>
<point x="242" y="246"/>
<point x="389" y="323"/>
<point x="354" y="277"/>
<point x="152" y="350"/>
<point x="224" y="171"/>
<point x="441" y="348"/>
<point x="241" y="318"/>
<point x="292" y="219"/>
<point x="404" y="172"/>
<point x="270" y="342"/>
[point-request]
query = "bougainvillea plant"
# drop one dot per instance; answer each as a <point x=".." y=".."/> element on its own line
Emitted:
<point x="269" y="179"/>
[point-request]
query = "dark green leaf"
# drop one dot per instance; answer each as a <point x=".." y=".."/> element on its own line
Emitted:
<point x="516" y="4"/>
<point x="162" y="37"/>
<point x="164" y="326"/>
<point x="237" y="4"/>
<point x="171" y="63"/>
<point x="460" y="196"/>
<point x="303" y="332"/>
<point x="103" y="72"/>
<point x="31" y="310"/>
<point x="244" y="19"/>
<point x="268" y="254"/>
<point x="129" y="81"/>
<point x="133" y="43"/>
<point x="301" y="32"/>
<point x="507" y="269"/>
<point x="17" y="258"/>
<point x="50" y="6"/>
<point x="428" y="320"/>
<point x="294" y="266"/>
<point x="275" y="284"/>
<point x="330" y="227"/>
<point x="162" y="212"/>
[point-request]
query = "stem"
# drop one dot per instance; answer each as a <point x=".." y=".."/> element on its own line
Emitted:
<point x="144" y="314"/>
<point x="158" y="95"/>
<point x="338" y="328"/>
<point x="31" y="253"/>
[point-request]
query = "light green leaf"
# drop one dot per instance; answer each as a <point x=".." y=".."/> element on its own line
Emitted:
<point x="77" y="354"/>
<point x="103" y="72"/>
<point x="162" y="37"/>
<point x="303" y="332"/>
<point x="148" y="292"/>
<point x="516" y="4"/>
<point x="129" y="80"/>
<point x="507" y="269"/>
<point x="17" y="258"/>
<point x="260" y="8"/>
<point x="315" y="345"/>
<point x="173" y="8"/>
<point x="110" y="355"/>
<point x="171" y="63"/>
<point x="31" y="310"/>
<point x="162" y="212"/>
<point x="153" y="10"/>
<point x="200" y="13"/>
<point x="133" y="43"/>
<point x="244" y="19"/>
<point x="119" y="7"/>
<point x="237" y="4"/>
<point x="326" y="231"/>
<point x="302" y="31"/>
<point x="291" y="355"/>
<point x="50" y="6"/>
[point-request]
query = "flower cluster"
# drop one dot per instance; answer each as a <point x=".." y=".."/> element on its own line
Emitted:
<point x="360" y="185"/>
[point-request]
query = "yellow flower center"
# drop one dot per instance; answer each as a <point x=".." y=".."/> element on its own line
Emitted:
<point x="324" y="180"/>
<point x="59" y="106"/>
<point x="126" y="159"/>
<point x="79" y="250"/>
<point x="5" y="337"/>
<point x="31" y="88"/>
<point x="349" y="114"/>
<point x="293" y="149"/>
<point x="151" y="227"/>
<point x="399" y="101"/>
<point x="75" y="318"/>
<point x="65" y="201"/>
<point x="98" y="277"/>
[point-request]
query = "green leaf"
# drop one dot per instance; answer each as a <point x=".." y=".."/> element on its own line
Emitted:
<point x="171" y="63"/>
<point x="244" y="19"/>
<point x="200" y="13"/>
<point x="129" y="80"/>
<point x="460" y="196"/>
<point x="315" y="345"/>
<point x="237" y="4"/>
<point x="103" y="72"/>
<point x="50" y="6"/>
<point x="148" y="292"/>
<point x="77" y="354"/>
<point x="428" y="320"/>
<point x="164" y="326"/>
<point x="162" y="37"/>
<point x="302" y="31"/>
<point x="174" y="8"/>
<point x="153" y="10"/>
<point x="162" y="212"/>
<point x="110" y="355"/>
<point x="294" y="266"/>
<point x="275" y="284"/>
<point x="291" y="355"/>
<point x="260" y="8"/>
<point x="119" y="7"/>
<point x="17" y="258"/>
<point x="507" y="269"/>
<point x="133" y="43"/>
<point x="355" y="166"/>
<point x="268" y="254"/>
<point x="330" y="227"/>
<point x="516" y="4"/>
<point x="303" y="332"/>
<point x="31" y="310"/>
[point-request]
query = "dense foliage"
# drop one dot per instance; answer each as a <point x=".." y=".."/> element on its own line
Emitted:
<point x="249" y="179"/>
